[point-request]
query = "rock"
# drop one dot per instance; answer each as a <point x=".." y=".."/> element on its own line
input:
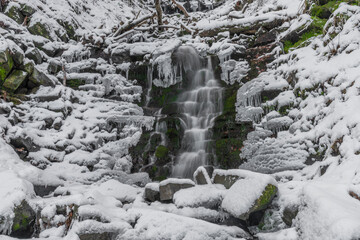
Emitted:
<point x="39" y="78"/>
<point x="13" y="11"/>
<point x="170" y="186"/>
<point x="25" y="143"/>
<point x="17" y="54"/>
<point x="16" y="78"/>
<point x="202" y="175"/>
<point x="27" y="10"/>
<point x="289" y="214"/>
<point x="28" y="66"/>
<point x="226" y="178"/>
<point x="250" y="195"/>
<point x="162" y="155"/>
<point x="265" y="38"/>
<point x="6" y="64"/>
<point x="34" y="54"/>
<point x="24" y="221"/>
<point x="54" y="67"/>
<point x="152" y="192"/>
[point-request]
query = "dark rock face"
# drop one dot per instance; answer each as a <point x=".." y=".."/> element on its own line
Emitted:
<point x="24" y="221"/>
<point x="168" y="190"/>
<point x="34" y="54"/>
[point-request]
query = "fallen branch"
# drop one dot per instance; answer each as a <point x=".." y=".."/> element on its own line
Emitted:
<point x="181" y="7"/>
<point x="186" y="28"/>
<point x="133" y="24"/>
<point x="158" y="12"/>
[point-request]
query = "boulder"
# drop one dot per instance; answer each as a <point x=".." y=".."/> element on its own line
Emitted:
<point x="202" y="175"/>
<point x="27" y="66"/>
<point x="34" y="54"/>
<point x="44" y="190"/>
<point x="40" y="29"/>
<point x="39" y="78"/>
<point x="13" y="82"/>
<point x="97" y="236"/>
<point x="152" y="192"/>
<point x="24" y="221"/>
<point x="6" y="63"/>
<point x="250" y="195"/>
<point x="170" y="186"/>
<point x="17" y="54"/>
<point x="27" y="10"/>
<point x="225" y="177"/>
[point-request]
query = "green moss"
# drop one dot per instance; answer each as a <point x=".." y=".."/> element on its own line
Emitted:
<point x="15" y="79"/>
<point x="267" y="195"/>
<point x="75" y="83"/>
<point x="227" y="152"/>
<point x="40" y="29"/>
<point x="161" y="152"/>
<point x="6" y="64"/>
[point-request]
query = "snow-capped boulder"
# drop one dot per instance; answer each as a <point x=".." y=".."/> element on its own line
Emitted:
<point x="152" y="192"/>
<point x="202" y="175"/>
<point x="23" y="221"/>
<point x="208" y="196"/>
<point x="170" y="186"/>
<point x="251" y="193"/>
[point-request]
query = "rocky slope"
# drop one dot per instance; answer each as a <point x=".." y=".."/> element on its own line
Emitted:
<point x="91" y="127"/>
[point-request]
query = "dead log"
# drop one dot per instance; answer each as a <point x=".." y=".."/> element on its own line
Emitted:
<point x="181" y="7"/>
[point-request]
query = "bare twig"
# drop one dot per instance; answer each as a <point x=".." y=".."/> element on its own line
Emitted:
<point x="133" y="24"/>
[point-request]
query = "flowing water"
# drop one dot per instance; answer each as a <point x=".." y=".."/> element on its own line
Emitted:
<point x="198" y="105"/>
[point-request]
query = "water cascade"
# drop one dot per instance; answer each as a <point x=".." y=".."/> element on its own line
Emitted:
<point x="198" y="106"/>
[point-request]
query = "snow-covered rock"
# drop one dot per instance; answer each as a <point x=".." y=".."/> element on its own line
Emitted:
<point x="170" y="186"/>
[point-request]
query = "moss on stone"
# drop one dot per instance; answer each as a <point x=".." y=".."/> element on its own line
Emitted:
<point x="266" y="197"/>
<point x="16" y="78"/>
<point x="161" y="152"/>
<point x="14" y="13"/>
<point x="39" y="29"/>
<point x="6" y="64"/>
<point x="75" y="83"/>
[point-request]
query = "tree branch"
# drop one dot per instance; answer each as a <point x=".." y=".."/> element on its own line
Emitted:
<point x="181" y="7"/>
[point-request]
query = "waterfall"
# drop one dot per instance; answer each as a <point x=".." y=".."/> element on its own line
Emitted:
<point x="199" y="105"/>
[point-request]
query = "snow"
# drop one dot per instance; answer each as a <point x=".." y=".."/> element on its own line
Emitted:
<point x="176" y="181"/>
<point x="209" y="196"/>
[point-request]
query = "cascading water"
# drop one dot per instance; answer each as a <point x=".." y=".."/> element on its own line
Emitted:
<point x="198" y="105"/>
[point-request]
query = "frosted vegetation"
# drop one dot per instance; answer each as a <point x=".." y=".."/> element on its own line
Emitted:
<point x="81" y="88"/>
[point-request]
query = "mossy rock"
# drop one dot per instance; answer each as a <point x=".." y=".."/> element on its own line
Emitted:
<point x="24" y="221"/>
<point x="39" y="78"/>
<point x="27" y="10"/>
<point x="13" y="12"/>
<point x="262" y="202"/>
<point x="13" y="82"/>
<point x="158" y="173"/>
<point x="227" y="152"/>
<point x="75" y="83"/>
<point x="6" y="64"/>
<point x="40" y="29"/>
<point x="28" y="67"/>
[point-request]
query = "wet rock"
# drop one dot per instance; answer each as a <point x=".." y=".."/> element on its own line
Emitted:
<point x="6" y="64"/>
<point x="289" y="214"/>
<point x="34" y="54"/>
<point x="16" y="78"/>
<point x="162" y="155"/>
<point x="152" y="192"/>
<point x="24" y="221"/>
<point x="202" y="175"/>
<point x="170" y="186"/>
<point x="265" y="38"/>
